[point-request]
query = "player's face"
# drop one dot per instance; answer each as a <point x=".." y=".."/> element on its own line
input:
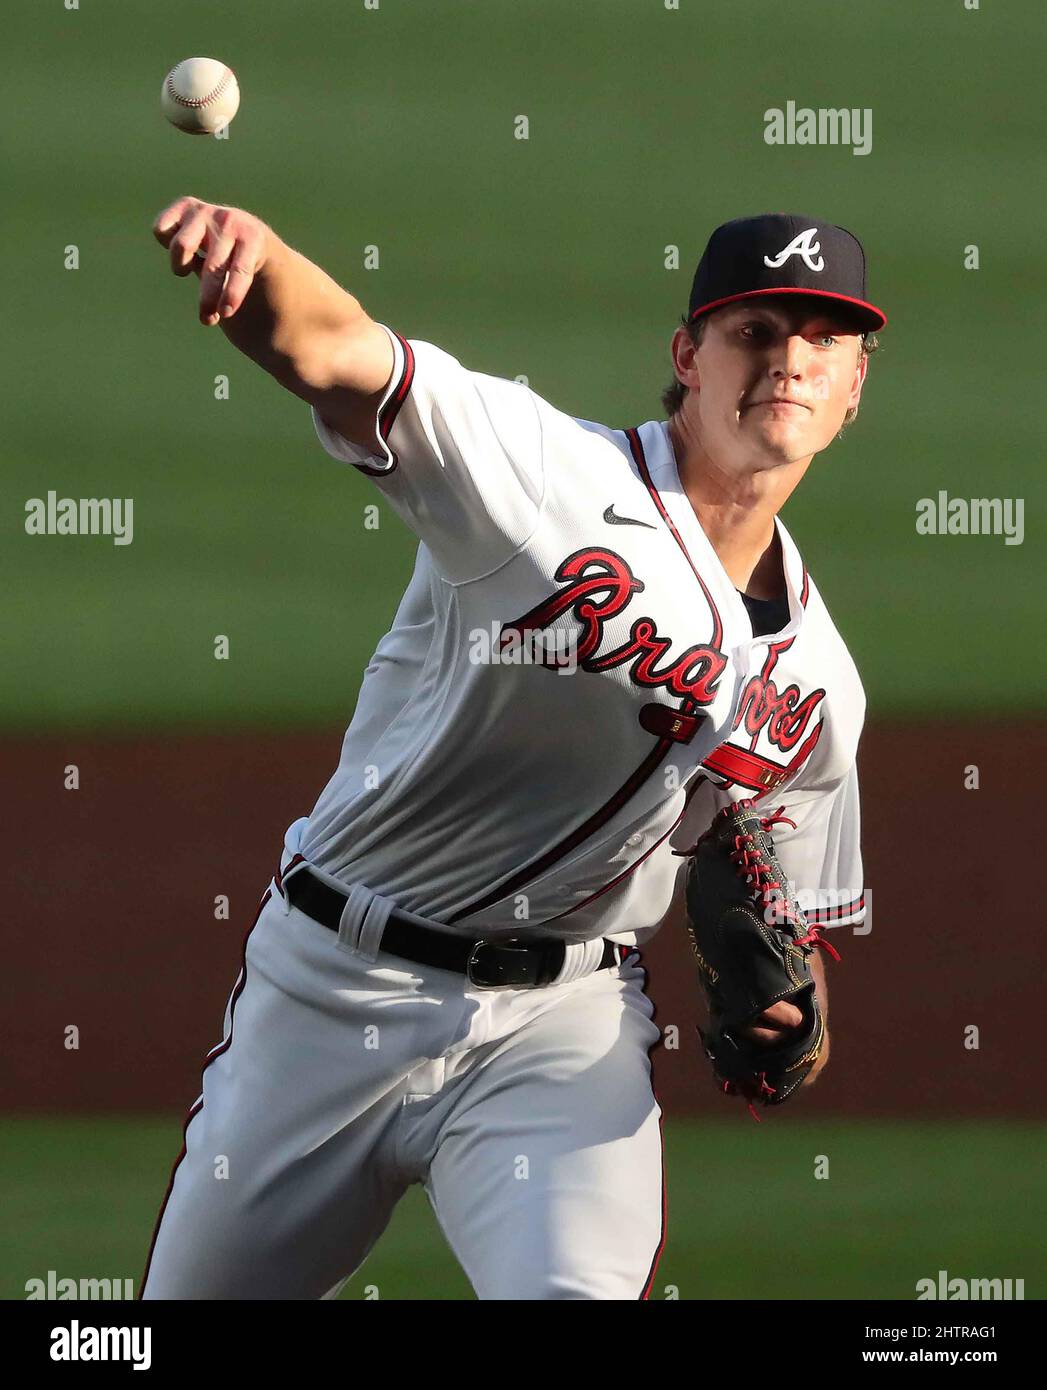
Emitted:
<point x="771" y="381"/>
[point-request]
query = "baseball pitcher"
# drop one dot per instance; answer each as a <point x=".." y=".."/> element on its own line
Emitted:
<point x="611" y="696"/>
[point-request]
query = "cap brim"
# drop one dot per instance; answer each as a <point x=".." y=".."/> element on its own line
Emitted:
<point x="866" y="315"/>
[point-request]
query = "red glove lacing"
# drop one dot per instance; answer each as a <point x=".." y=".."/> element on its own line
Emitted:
<point x="752" y="867"/>
<point x="761" y="1091"/>
<point x="755" y="870"/>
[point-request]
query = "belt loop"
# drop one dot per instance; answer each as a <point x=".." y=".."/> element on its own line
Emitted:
<point x="282" y="875"/>
<point x="372" y="927"/>
<point x="352" y="918"/>
<point x="291" y="858"/>
<point x="363" y="921"/>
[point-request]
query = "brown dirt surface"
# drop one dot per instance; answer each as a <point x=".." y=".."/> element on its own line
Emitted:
<point x="109" y="896"/>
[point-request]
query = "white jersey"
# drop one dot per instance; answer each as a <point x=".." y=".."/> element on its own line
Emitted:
<point x="481" y="788"/>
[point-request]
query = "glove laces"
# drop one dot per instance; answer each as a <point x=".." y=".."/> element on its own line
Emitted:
<point x="751" y="865"/>
<point x="760" y="1090"/>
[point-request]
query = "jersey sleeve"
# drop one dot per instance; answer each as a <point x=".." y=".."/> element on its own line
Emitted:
<point x="461" y="458"/>
<point x="822" y="856"/>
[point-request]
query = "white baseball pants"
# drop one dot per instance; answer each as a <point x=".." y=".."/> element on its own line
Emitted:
<point x="345" y="1075"/>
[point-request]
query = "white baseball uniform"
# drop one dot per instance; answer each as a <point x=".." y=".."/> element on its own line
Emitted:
<point x="484" y="793"/>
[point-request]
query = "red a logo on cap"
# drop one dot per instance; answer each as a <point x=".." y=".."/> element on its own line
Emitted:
<point x="804" y="246"/>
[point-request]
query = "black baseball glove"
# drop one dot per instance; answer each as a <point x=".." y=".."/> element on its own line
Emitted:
<point x="753" y="947"/>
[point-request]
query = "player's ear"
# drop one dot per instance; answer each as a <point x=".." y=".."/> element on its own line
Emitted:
<point x="685" y="359"/>
<point x="861" y="367"/>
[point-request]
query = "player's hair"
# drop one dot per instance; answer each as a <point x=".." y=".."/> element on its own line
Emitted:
<point x="674" y="395"/>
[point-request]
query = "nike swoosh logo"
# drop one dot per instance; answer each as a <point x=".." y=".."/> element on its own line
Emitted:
<point x="613" y="520"/>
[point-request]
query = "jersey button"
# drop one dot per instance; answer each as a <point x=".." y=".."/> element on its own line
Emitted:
<point x="635" y="840"/>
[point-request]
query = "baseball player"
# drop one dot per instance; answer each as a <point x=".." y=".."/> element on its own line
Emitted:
<point x="609" y="637"/>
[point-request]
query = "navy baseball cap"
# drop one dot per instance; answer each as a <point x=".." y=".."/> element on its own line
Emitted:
<point x="783" y="253"/>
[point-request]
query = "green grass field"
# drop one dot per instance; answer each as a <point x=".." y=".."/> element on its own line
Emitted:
<point x="747" y="1218"/>
<point x="394" y="127"/>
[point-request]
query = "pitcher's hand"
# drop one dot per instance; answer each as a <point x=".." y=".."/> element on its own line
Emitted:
<point x="772" y="1025"/>
<point x="226" y="247"/>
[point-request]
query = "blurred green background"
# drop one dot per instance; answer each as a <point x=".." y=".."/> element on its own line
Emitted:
<point x="747" y="1217"/>
<point x="394" y="127"/>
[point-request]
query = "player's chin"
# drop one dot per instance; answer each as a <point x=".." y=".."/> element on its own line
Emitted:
<point x="785" y="441"/>
<point x="777" y="444"/>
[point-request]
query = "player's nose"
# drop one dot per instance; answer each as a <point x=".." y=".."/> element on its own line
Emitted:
<point x="789" y="357"/>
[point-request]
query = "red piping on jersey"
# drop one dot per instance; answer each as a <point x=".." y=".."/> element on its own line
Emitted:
<point x="640" y="459"/>
<point x="390" y="408"/>
<point x="833" y="914"/>
<point x="197" y="1106"/>
<point x="634" y="866"/>
<point x="653" y="760"/>
<point x="588" y="827"/>
<point x="281" y="874"/>
<point x="619" y="877"/>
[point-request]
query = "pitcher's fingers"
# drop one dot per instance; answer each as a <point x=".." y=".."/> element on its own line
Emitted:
<point x="242" y="268"/>
<point x="212" y="274"/>
<point x="766" y="1037"/>
<point x="774" y="1024"/>
<point x="780" y="1015"/>
<point x="166" y="223"/>
<point x="187" y="241"/>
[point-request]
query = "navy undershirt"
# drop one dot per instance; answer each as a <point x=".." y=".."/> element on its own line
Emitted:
<point x="767" y="615"/>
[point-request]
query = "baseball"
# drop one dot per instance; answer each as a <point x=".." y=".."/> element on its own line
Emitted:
<point x="200" y="95"/>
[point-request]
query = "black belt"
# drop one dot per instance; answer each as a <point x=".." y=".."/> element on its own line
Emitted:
<point x="517" y="962"/>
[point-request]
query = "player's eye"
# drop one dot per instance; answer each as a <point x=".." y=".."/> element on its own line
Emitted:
<point x="754" y="329"/>
<point x="825" y="339"/>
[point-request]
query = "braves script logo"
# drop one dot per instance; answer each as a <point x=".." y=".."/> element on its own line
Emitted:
<point x="781" y="712"/>
<point x="803" y="246"/>
<point x="597" y="585"/>
<point x="783" y="717"/>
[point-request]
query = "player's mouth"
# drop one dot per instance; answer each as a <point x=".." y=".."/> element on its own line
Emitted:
<point x="778" y="405"/>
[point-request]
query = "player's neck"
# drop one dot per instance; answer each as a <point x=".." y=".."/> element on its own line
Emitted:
<point x="737" y="513"/>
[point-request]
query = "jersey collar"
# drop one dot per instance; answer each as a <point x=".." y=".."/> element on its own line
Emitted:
<point x="661" y="460"/>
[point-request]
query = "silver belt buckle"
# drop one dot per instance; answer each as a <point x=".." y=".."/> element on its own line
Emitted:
<point x="490" y="962"/>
